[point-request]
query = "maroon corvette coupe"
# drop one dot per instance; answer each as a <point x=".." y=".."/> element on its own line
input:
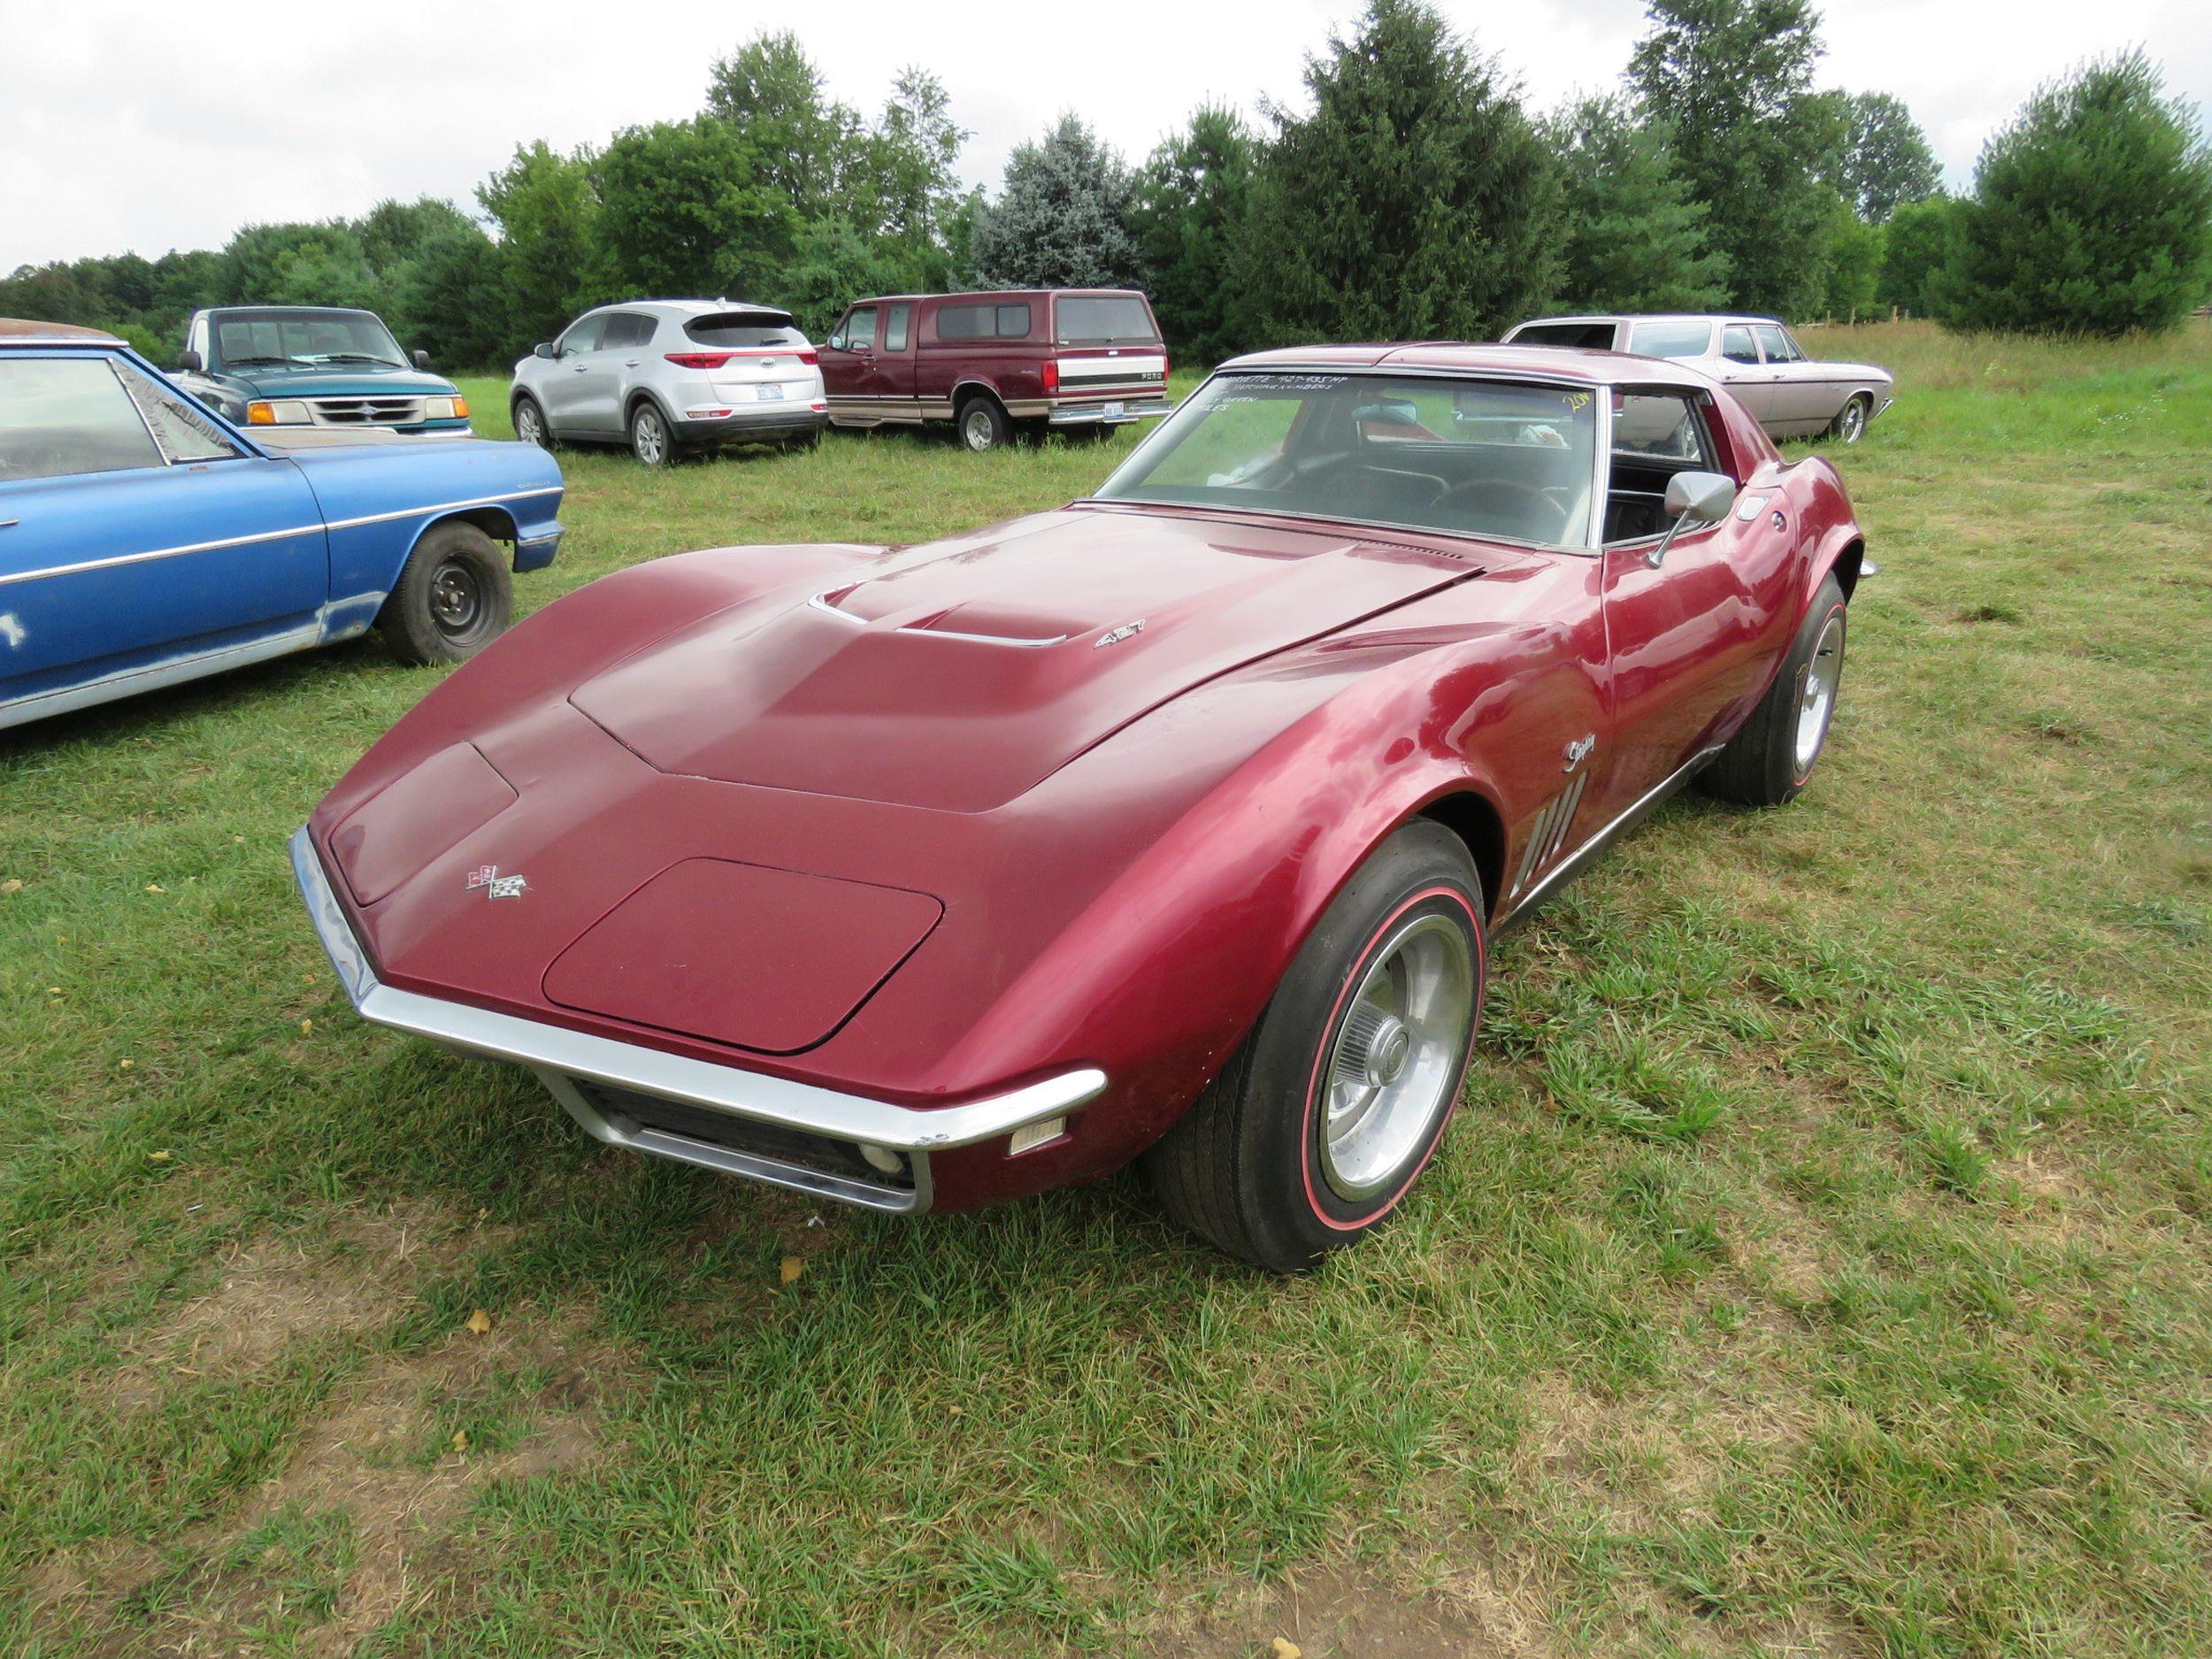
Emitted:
<point x="1173" y="823"/>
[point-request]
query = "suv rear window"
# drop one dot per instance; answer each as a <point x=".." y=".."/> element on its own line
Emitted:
<point x="1588" y="336"/>
<point x="1009" y="321"/>
<point x="743" y="328"/>
<point x="1087" y="319"/>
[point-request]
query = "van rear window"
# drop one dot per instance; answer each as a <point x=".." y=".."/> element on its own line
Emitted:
<point x="1083" y="319"/>
<point x="984" y="322"/>
<point x="743" y="328"/>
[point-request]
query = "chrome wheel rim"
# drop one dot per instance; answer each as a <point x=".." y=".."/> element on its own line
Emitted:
<point x="528" y="427"/>
<point x="1853" y="420"/>
<point x="975" y="428"/>
<point x="649" y="438"/>
<point x="1396" y="1060"/>
<point x="456" y="598"/>
<point x="1817" y="697"/>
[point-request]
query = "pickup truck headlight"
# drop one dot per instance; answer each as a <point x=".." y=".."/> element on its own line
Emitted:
<point x="445" y="409"/>
<point x="283" y="411"/>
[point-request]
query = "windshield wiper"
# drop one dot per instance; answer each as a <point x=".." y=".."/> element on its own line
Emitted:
<point x="356" y="357"/>
<point x="240" y="363"/>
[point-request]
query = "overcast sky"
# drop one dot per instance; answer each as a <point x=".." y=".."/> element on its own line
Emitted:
<point x="124" y="125"/>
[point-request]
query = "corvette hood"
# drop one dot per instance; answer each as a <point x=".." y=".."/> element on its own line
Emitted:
<point x="959" y="674"/>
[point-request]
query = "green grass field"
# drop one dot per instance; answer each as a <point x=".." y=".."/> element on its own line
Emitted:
<point x="1820" y="1264"/>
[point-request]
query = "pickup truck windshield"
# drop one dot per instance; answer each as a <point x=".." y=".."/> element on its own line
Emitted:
<point x="1467" y="456"/>
<point x="306" y="339"/>
<point x="1102" y="319"/>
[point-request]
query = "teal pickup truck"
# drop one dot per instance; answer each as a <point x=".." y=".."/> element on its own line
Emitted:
<point x="328" y="369"/>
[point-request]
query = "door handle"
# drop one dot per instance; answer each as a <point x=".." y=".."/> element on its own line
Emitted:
<point x="629" y="363"/>
<point x="579" y="369"/>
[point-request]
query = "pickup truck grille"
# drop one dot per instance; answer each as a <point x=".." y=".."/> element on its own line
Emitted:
<point x="367" y="412"/>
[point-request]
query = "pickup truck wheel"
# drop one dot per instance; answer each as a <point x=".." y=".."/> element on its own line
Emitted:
<point x="530" y="426"/>
<point x="648" y="434"/>
<point x="454" y="597"/>
<point x="982" y="424"/>
<point x="1768" y="761"/>
<point x="1329" y="1108"/>
<point x="1849" y="425"/>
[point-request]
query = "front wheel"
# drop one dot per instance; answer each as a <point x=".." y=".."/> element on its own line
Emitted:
<point x="530" y="426"/>
<point x="1849" y="425"/>
<point x="1770" y="757"/>
<point x="453" y="598"/>
<point x="648" y="435"/>
<point x="1318" y="1124"/>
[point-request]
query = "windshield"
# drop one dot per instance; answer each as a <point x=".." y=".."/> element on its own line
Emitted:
<point x="308" y="339"/>
<point x="1083" y="319"/>
<point x="1468" y="457"/>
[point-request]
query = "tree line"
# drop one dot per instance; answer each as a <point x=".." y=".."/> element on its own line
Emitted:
<point x="1408" y="195"/>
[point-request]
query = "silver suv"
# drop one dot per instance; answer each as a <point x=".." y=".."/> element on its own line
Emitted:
<point x="666" y="376"/>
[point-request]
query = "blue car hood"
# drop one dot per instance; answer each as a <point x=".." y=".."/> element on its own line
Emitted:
<point x="349" y="379"/>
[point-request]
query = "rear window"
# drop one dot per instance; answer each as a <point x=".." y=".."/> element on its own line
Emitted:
<point x="1005" y="321"/>
<point x="1102" y="319"/>
<point x="1670" y="340"/>
<point x="1588" y="336"/>
<point x="743" y="328"/>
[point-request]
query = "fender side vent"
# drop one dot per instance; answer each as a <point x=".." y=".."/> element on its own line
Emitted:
<point x="1548" y="836"/>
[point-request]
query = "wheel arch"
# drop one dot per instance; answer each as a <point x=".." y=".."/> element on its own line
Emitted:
<point x="1474" y="818"/>
<point x="963" y="390"/>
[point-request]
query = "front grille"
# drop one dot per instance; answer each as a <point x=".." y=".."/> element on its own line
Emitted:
<point x="743" y="1134"/>
<point x="367" y="411"/>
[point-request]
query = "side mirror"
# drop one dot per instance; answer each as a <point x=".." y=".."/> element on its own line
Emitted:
<point x="190" y="362"/>
<point x="422" y="359"/>
<point x="543" y="348"/>
<point x="1693" y="498"/>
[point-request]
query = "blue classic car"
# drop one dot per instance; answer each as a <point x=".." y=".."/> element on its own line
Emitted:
<point x="145" y="541"/>
<point x="317" y="366"/>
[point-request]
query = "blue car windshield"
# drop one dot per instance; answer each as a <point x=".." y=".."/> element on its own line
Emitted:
<point x="303" y="338"/>
<point x="1465" y="456"/>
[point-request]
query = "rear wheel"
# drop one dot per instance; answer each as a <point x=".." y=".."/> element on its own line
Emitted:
<point x="1849" y="425"/>
<point x="982" y="424"/>
<point x="530" y="426"/>
<point x="454" y="597"/>
<point x="1768" y="760"/>
<point x="650" y="441"/>
<point x="1321" y="1120"/>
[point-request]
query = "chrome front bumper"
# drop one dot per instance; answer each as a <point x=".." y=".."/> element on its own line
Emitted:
<point x="574" y="1064"/>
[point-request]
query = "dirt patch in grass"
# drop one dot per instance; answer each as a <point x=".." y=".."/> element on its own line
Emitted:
<point x="1453" y="1608"/>
<point x="349" y="1534"/>
<point x="336" y="1279"/>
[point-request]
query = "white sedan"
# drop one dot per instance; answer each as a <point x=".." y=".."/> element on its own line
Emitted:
<point x="1790" y="393"/>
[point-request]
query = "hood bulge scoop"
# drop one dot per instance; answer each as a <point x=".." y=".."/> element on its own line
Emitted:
<point x="959" y="675"/>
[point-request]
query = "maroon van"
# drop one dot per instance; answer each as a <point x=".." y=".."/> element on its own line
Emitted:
<point x="1086" y="358"/>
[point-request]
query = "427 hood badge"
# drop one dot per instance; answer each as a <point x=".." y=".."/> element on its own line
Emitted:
<point x="500" y="886"/>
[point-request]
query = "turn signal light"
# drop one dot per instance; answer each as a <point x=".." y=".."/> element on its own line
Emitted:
<point x="460" y="408"/>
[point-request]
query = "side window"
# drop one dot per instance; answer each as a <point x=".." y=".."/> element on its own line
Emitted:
<point x="184" y="432"/>
<point x="860" y="330"/>
<point x="583" y="336"/>
<point x="1671" y="339"/>
<point x="1655" y="434"/>
<point x="1778" y="348"/>
<point x="1013" y="321"/>
<point x="67" y="417"/>
<point x="626" y="329"/>
<point x="895" y="328"/>
<point x="965" y="322"/>
<point x="1736" y="345"/>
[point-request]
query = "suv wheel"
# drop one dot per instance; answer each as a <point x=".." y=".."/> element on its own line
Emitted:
<point x="530" y="426"/>
<point x="648" y="434"/>
<point x="982" y="424"/>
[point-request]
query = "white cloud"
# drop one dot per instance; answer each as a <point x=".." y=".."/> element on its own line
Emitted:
<point x="123" y="127"/>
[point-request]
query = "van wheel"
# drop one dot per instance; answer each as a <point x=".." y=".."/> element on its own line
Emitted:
<point x="982" y="424"/>
<point x="453" y="598"/>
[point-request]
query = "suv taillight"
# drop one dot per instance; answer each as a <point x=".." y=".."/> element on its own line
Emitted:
<point x="699" y="359"/>
<point x="1051" y="376"/>
<point x="810" y="356"/>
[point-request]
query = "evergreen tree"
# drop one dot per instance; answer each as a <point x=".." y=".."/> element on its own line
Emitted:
<point x="1734" y="78"/>
<point x="1915" y="248"/>
<point x="2090" y="211"/>
<point x="1415" y="201"/>
<point x="445" y="301"/>
<point x="1633" y="240"/>
<point x="1062" y="219"/>
<point x="1191" y="197"/>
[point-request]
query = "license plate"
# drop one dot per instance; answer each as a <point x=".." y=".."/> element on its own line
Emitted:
<point x="772" y="394"/>
<point x="1113" y="411"/>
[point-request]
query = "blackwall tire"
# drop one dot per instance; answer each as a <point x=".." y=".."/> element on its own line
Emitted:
<point x="1314" y="1131"/>
<point x="1771" y="757"/>
<point x="453" y="598"/>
